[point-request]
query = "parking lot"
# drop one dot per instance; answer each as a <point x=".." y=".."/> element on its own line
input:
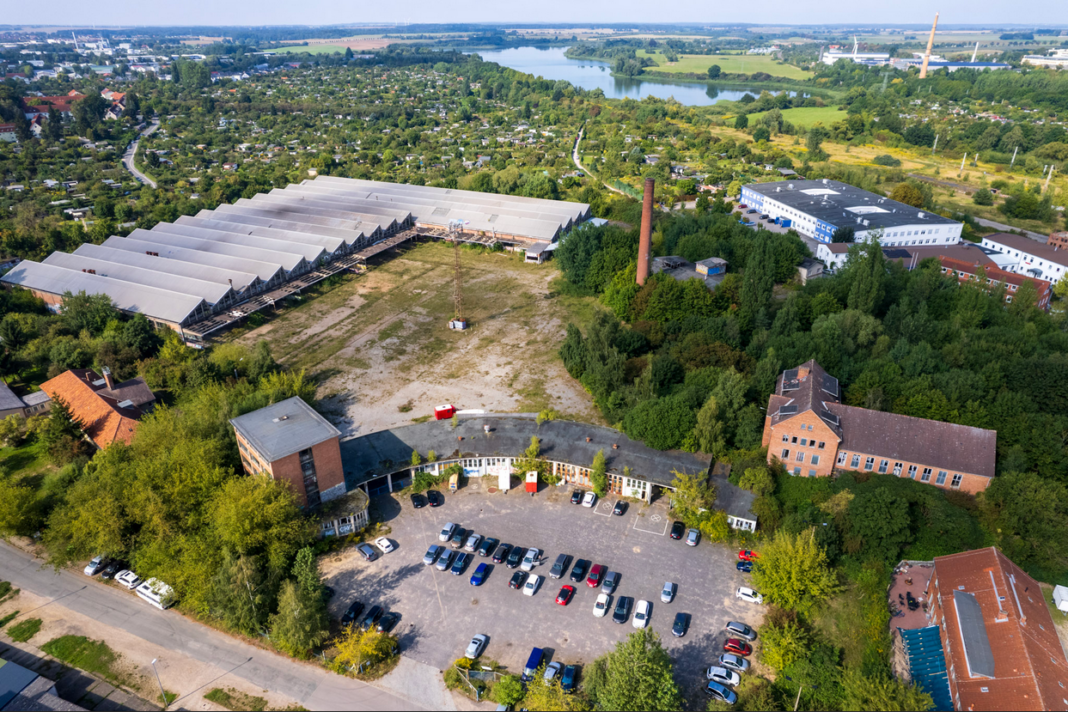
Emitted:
<point x="440" y="612"/>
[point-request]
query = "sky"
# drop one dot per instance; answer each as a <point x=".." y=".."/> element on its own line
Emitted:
<point x="326" y="12"/>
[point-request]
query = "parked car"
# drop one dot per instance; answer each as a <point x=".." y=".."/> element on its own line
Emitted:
<point x="620" y="509"/>
<point x="502" y="553"/>
<point x="384" y="544"/>
<point x="387" y="622"/>
<point x="445" y="560"/>
<point x="458" y="538"/>
<point x="481" y="571"/>
<point x="111" y="569"/>
<point x="372" y="617"/>
<point x="533" y="663"/>
<point x="472" y="542"/>
<point x="531" y="586"/>
<point x="435" y="498"/>
<point x="515" y="557"/>
<point x="744" y="566"/>
<point x="611" y="582"/>
<point x="418" y="501"/>
<point x="677" y="530"/>
<point x="589" y="499"/>
<point x="748" y="594"/>
<point x="576" y="497"/>
<point x="723" y="676"/>
<point x="680" y="625"/>
<point x="432" y="554"/>
<point x="128" y="579"/>
<point x="714" y="689"/>
<point x="352" y="613"/>
<point x="569" y="680"/>
<point x="475" y="647"/>
<point x="517" y="580"/>
<point x="740" y="630"/>
<point x="446" y="532"/>
<point x="667" y="595"/>
<point x="460" y="564"/>
<point x="738" y="647"/>
<point x="733" y="662"/>
<point x="579" y="570"/>
<point x="95" y="566"/>
<point x="596" y="574"/>
<point x="529" y="559"/>
<point x="488" y="546"/>
<point x="559" y="566"/>
<point x="564" y="597"/>
<point x="551" y="671"/>
<point x="692" y="537"/>
<point x="604" y="602"/>
<point x="747" y="555"/>
<point x="641" y="614"/>
<point x="764" y="216"/>
<point x="367" y="552"/>
<point x="622" y="610"/>
<point x="750" y="211"/>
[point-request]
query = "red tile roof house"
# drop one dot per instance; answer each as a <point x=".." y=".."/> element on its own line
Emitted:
<point x="108" y="411"/>
<point x="1001" y="647"/>
<point x="811" y="433"/>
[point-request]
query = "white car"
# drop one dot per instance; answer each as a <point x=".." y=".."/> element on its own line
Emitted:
<point x="723" y="676"/>
<point x="668" y="594"/>
<point x="551" y="671"/>
<point x="95" y="566"/>
<point x="733" y="662"/>
<point x="446" y="532"/>
<point x="589" y="499"/>
<point x="531" y="586"/>
<point x="748" y="594"/>
<point x="474" y="648"/>
<point x="604" y="602"/>
<point x="641" y="614"/>
<point x="529" y="559"/>
<point x="384" y="544"/>
<point x="128" y="579"/>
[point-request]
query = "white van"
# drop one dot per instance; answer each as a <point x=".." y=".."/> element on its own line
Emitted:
<point x="157" y="593"/>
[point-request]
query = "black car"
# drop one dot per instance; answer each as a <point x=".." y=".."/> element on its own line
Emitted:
<point x="514" y="558"/>
<point x="436" y="498"/>
<point x="518" y="579"/>
<point x="622" y="611"/>
<point x="681" y="624"/>
<point x="611" y="582"/>
<point x="488" y="545"/>
<point x="418" y="501"/>
<point x="352" y="613"/>
<point x="387" y="622"/>
<point x="579" y="570"/>
<point x="502" y="553"/>
<point x="620" y="509"/>
<point x="372" y="617"/>
<point x="677" y="530"/>
<point x="459" y="537"/>
<point x="112" y="568"/>
<point x="576" y="497"/>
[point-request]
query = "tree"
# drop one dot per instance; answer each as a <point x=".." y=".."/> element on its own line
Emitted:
<point x="983" y="197"/>
<point x="1029" y="517"/>
<point x="11" y="429"/>
<point x="302" y="622"/>
<point x="920" y="135"/>
<point x="54" y="125"/>
<point x="878" y="525"/>
<point x="882" y="692"/>
<point x="907" y="194"/>
<point x="238" y="596"/>
<point x="813" y="139"/>
<point x="793" y="572"/>
<point x="782" y="643"/>
<point x="869" y="276"/>
<point x="636" y="675"/>
<point x="598" y="474"/>
<point x="758" y="481"/>
<point x="508" y="691"/>
<point x="356" y="647"/>
<point x="713" y="73"/>
<point x="63" y="434"/>
<point x="550" y="697"/>
<point x="710" y="431"/>
<point x="741" y="122"/>
<point x="843" y="234"/>
<point x="89" y="312"/>
<point x="692" y="495"/>
<point x="20" y="513"/>
<point x="761" y="133"/>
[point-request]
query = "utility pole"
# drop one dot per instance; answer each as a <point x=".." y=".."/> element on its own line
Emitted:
<point x="798" y="700"/>
<point x="1050" y="175"/>
<point x="961" y="171"/>
<point x="1013" y="157"/>
<point x="935" y="146"/>
<point x="162" y="693"/>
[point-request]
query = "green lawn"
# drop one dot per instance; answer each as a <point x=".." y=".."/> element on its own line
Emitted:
<point x="24" y="630"/>
<point x="806" y="116"/>
<point x="93" y="656"/>
<point x="729" y="63"/>
<point x="310" y="49"/>
<point x="233" y="699"/>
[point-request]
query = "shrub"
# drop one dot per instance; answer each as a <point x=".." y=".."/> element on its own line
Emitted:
<point x="983" y="197"/>
<point x="886" y="160"/>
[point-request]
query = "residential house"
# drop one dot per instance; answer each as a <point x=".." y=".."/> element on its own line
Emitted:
<point x="32" y="404"/>
<point x="108" y="411"/>
<point x="8" y="134"/>
<point x="810" y="432"/>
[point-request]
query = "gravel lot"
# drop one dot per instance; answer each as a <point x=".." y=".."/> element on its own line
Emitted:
<point x="440" y="612"/>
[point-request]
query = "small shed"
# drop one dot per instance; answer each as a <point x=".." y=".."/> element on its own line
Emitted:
<point x="809" y="269"/>
<point x="532" y="482"/>
<point x="712" y="266"/>
<point x="1060" y="598"/>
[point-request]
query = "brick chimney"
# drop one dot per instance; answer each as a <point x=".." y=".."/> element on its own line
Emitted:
<point x="108" y="379"/>
<point x="646" y="238"/>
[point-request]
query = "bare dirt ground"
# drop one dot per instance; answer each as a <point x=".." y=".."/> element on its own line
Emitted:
<point x="380" y="346"/>
<point x="190" y="679"/>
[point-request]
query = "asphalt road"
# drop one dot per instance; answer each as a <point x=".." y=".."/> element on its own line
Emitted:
<point x="311" y="686"/>
<point x="131" y="151"/>
<point x="440" y="612"/>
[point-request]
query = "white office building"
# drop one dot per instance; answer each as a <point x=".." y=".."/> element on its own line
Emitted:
<point x="1028" y="257"/>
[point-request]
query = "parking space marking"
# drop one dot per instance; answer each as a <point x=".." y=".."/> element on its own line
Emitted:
<point x="657" y="522"/>
<point x="604" y="508"/>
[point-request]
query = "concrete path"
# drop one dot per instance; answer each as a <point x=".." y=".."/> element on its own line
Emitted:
<point x="131" y="151"/>
<point x="1036" y="236"/>
<point x="578" y="164"/>
<point x="308" y="684"/>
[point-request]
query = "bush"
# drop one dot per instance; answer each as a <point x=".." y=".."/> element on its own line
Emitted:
<point x="983" y="197"/>
<point x="886" y="160"/>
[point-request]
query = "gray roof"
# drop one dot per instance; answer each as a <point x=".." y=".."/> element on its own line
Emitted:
<point x="327" y="242"/>
<point x="218" y="274"/>
<point x="681" y="270"/>
<point x="732" y="499"/>
<point x="8" y="399"/>
<point x="973" y="634"/>
<point x="284" y="428"/>
<point x="222" y="216"/>
<point x="842" y="205"/>
<point x="36" y="398"/>
<point x="37" y="696"/>
<point x="266" y="271"/>
<point x="311" y="253"/>
<point x="211" y="292"/>
<point x="289" y="261"/>
<point x="13" y="680"/>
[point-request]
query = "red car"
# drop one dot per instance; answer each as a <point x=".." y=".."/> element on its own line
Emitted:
<point x="738" y="647"/>
<point x="596" y="574"/>
<point x="564" y="597"/>
<point x="746" y="555"/>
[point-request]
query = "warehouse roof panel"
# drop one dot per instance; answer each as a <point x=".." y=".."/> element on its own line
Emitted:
<point x="218" y="274"/>
<point x="210" y="292"/>
<point x="266" y="271"/>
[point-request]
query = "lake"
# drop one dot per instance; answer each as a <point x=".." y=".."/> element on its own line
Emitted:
<point x="591" y="74"/>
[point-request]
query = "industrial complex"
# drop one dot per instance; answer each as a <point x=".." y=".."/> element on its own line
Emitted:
<point x="199" y="274"/>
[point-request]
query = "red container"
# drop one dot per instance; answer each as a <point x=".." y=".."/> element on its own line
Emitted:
<point x="444" y="412"/>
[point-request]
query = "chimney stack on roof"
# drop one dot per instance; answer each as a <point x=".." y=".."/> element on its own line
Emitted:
<point x="646" y="237"/>
<point x="107" y="378"/>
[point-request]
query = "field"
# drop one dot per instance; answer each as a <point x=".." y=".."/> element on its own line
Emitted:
<point x="311" y="49"/>
<point x="729" y="63"/>
<point x="806" y="116"/>
<point x="383" y="354"/>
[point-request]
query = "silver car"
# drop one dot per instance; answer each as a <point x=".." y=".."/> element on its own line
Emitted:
<point x="692" y="537"/>
<point x="551" y="671"/>
<point x="445" y="561"/>
<point x="733" y="662"/>
<point x="432" y="554"/>
<point x="475" y="647"/>
<point x="723" y="676"/>
<point x="472" y="542"/>
<point x="740" y="630"/>
<point x="446" y="532"/>
<point x="668" y="594"/>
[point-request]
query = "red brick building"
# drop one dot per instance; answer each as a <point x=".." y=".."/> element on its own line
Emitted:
<point x="967" y="272"/>
<point x="811" y="433"/>
<point x="1058" y="239"/>
<point x="289" y="441"/>
<point x="1001" y="647"/>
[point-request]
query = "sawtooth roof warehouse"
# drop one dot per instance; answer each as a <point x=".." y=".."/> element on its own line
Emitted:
<point x="819" y="207"/>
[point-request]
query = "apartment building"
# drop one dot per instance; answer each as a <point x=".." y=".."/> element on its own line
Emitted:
<point x="1026" y="256"/>
<point x="968" y="272"/>
<point x="810" y="432"/>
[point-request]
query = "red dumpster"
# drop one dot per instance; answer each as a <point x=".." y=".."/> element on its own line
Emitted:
<point x="444" y="412"/>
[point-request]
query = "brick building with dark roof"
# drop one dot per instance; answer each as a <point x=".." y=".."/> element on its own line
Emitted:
<point x="108" y="411"/>
<point x="811" y="433"/>
<point x="1000" y="642"/>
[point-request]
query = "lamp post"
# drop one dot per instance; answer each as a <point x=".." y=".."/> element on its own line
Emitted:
<point x="161" y="691"/>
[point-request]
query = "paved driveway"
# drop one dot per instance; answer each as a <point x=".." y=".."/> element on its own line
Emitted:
<point x="440" y="612"/>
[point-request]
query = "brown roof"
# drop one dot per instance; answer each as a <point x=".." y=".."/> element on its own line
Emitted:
<point x="98" y="407"/>
<point x="1029" y="665"/>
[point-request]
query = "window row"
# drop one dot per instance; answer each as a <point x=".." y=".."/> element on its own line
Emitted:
<point x="884" y="465"/>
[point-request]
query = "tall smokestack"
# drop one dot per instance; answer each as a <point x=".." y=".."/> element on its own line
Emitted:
<point x="930" y="44"/>
<point x="646" y="239"/>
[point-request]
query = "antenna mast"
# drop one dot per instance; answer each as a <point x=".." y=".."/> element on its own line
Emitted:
<point x="459" y="322"/>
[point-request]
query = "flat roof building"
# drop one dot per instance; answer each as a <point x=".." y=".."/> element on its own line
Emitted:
<point x="1026" y="256"/>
